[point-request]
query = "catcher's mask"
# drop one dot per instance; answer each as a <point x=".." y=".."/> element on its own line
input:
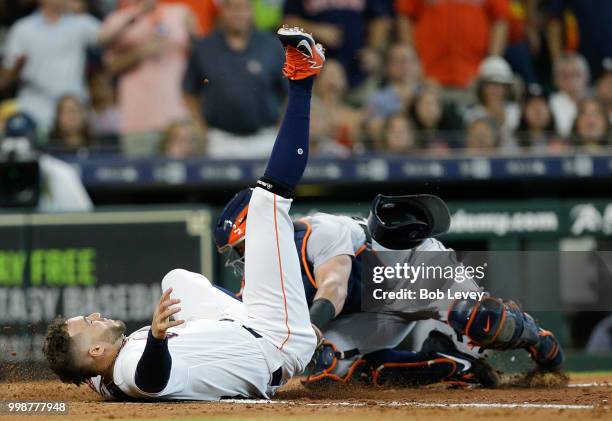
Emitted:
<point x="403" y="222"/>
<point x="230" y="230"/>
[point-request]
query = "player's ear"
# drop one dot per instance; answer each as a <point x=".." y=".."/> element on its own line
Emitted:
<point x="96" y="350"/>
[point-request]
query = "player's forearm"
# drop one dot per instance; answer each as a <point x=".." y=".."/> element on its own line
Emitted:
<point x="154" y="366"/>
<point x="334" y="290"/>
<point x="499" y="37"/>
<point x="332" y="279"/>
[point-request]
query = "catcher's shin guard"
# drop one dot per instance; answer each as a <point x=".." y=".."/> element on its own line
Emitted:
<point x="493" y="324"/>
<point x="403" y="371"/>
<point x="438" y="361"/>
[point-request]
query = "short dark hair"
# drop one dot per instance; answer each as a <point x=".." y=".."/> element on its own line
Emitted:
<point x="59" y="351"/>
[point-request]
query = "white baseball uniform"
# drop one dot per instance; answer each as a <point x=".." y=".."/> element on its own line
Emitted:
<point x="228" y="348"/>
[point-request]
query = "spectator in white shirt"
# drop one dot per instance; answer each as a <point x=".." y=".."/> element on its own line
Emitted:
<point x="571" y="74"/>
<point x="45" y="54"/>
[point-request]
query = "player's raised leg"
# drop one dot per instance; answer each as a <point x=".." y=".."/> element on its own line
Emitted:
<point x="274" y="293"/>
<point x="199" y="298"/>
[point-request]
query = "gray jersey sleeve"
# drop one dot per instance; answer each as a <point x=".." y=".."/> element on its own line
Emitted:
<point x="328" y="239"/>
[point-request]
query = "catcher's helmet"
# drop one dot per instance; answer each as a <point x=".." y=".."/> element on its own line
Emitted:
<point x="231" y="229"/>
<point x="403" y="222"/>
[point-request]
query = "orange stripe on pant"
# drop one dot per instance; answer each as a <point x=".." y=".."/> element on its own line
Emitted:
<point x="280" y="265"/>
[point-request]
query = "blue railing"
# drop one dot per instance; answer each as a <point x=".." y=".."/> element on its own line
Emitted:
<point x="100" y="171"/>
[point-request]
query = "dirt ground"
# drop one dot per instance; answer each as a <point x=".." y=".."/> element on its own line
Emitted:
<point x="586" y="398"/>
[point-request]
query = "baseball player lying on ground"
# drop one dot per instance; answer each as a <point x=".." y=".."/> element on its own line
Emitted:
<point x="360" y="344"/>
<point x="217" y="346"/>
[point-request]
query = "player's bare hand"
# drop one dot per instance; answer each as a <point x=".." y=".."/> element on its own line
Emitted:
<point x="161" y="317"/>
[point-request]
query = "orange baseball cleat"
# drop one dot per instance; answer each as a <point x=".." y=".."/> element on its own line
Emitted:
<point x="303" y="57"/>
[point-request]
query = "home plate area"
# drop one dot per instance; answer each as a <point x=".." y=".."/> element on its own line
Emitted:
<point x="586" y="397"/>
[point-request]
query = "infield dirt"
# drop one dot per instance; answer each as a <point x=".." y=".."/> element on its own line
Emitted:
<point x="587" y="398"/>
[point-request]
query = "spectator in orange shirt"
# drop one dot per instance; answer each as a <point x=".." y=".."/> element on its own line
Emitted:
<point x="452" y="37"/>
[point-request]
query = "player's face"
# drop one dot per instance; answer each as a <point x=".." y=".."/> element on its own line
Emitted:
<point x="96" y="327"/>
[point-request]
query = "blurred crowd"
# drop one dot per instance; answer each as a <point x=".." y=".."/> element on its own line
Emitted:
<point x="187" y="78"/>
